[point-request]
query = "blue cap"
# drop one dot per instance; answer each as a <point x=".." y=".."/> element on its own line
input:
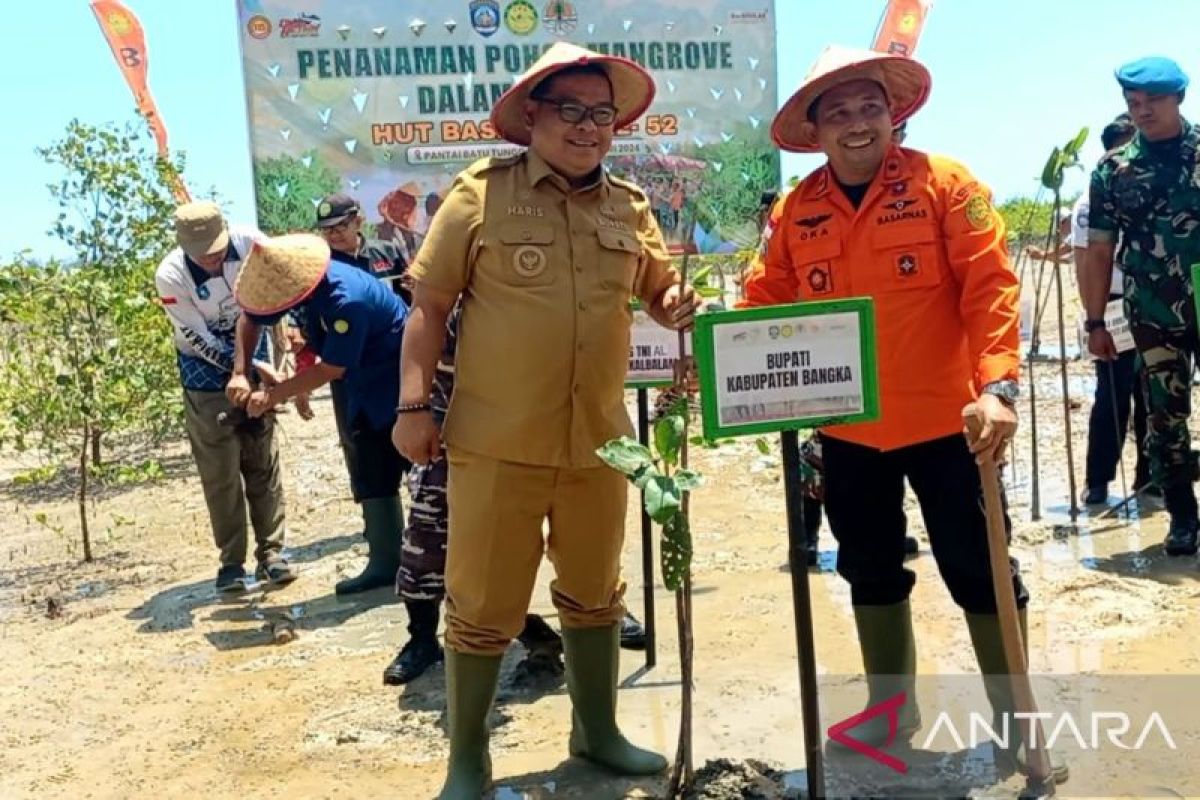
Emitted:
<point x="1153" y="74"/>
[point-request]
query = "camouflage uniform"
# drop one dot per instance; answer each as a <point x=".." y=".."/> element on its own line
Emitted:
<point x="423" y="555"/>
<point x="1150" y="195"/>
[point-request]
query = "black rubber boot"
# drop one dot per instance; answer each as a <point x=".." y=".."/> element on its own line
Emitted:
<point x="385" y="524"/>
<point x="633" y="633"/>
<point x="989" y="651"/>
<point x="889" y="653"/>
<point x="1181" y="505"/>
<point x="422" y="650"/>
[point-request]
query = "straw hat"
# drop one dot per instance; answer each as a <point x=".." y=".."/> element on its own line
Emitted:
<point x="281" y="272"/>
<point x="905" y="81"/>
<point x="633" y="88"/>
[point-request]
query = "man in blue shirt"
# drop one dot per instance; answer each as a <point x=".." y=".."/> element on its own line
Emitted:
<point x="355" y="324"/>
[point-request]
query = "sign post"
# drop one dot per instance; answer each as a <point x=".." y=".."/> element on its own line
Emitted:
<point x="653" y="351"/>
<point x="786" y="368"/>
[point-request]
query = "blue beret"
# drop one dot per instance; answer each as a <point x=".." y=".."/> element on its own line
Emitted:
<point x="1153" y="74"/>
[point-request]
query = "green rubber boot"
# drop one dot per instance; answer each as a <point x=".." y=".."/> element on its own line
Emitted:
<point x="889" y="653"/>
<point x="470" y="689"/>
<point x="592" y="657"/>
<point x="384" y="518"/>
<point x="989" y="650"/>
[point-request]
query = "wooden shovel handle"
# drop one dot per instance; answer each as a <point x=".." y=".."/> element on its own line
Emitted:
<point x="1006" y="598"/>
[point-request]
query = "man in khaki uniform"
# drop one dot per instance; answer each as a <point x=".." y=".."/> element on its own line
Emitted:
<point x="546" y="250"/>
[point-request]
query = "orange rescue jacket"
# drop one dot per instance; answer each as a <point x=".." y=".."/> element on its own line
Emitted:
<point x="929" y="248"/>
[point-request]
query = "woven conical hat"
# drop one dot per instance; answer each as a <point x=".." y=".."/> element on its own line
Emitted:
<point x="906" y="82"/>
<point x="281" y="272"/>
<point x="633" y="88"/>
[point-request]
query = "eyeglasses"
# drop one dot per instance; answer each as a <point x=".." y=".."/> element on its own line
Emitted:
<point x="603" y="115"/>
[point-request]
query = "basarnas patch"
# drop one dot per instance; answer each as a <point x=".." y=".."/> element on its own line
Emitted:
<point x="979" y="212"/>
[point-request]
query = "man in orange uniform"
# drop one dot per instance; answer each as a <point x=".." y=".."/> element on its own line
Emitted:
<point x="918" y="234"/>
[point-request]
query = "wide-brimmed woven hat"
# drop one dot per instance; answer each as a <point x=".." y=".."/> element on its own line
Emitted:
<point x="281" y="272"/>
<point x="633" y="88"/>
<point x="906" y="82"/>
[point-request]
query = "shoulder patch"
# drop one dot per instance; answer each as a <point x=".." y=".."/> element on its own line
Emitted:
<point x="962" y="193"/>
<point x="979" y="212"/>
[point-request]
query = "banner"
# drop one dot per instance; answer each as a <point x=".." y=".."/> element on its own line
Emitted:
<point x="901" y="26"/>
<point x="127" y="40"/>
<point x="389" y="101"/>
<point x="653" y="352"/>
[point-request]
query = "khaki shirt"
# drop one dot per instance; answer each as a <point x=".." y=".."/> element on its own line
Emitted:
<point x="546" y="274"/>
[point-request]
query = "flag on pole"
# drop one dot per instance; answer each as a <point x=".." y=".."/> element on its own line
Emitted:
<point x="901" y="26"/>
<point x="128" y="43"/>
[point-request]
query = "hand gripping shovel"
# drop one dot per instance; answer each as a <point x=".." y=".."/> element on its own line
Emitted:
<point x="1039" y="781"/>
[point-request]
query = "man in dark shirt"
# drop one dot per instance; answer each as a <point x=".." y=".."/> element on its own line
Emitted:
<point x="340" y="222"/>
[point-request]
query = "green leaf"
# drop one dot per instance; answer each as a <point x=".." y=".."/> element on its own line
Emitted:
<point x="709" y="292"/>
<point x="625" y="455"/>
<point x="701" y="275"/>
<point x="662" y="498"/>
<point x="687" y="480"/>
<point x="1075" y="145"/>
<point x="676" y="554"/>
<point x="763" y="446"/>
<point x="668" y="438"/>
<point x="644" y="476"/>
<point x="1052" y="172"/>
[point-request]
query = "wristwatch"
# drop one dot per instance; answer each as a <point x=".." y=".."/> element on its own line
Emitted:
<point x="1093" y="325"/>
<point x="1008" y="391"/>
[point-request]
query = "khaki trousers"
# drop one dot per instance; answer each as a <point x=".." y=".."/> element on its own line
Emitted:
<point x="237" y="469"/>
<point x="497" y="510"/>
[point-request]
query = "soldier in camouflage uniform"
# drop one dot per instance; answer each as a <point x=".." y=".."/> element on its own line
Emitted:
<point x="420" y="580"/>
<point x="1148" y="192"/>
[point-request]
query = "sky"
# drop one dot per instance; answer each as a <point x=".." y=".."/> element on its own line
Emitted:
<point x="1011" y="79"/>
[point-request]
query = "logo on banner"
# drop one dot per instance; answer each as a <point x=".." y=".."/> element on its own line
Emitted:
<point x="305" y="25"/>
<point x="485" y="16"/>
<point x="119" y="23"/>
<point x="521" y="17"/>
<point x="258" y="26"/>
<point x="559" y="18"/>
<point x="819" y="280"/>
<point x="906" y="265"/>
<point x="747" y="17"/>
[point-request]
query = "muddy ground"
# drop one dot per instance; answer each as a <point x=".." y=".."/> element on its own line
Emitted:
<point x="128" y="678"/>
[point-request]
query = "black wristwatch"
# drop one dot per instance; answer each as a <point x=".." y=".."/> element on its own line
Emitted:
<point x="1008" y="391"/>
<point x="1093" y="325"/>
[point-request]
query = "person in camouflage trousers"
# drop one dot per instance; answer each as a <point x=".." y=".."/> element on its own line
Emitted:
<point x="420" y="581"/>
<point x="1148" y="192"/>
